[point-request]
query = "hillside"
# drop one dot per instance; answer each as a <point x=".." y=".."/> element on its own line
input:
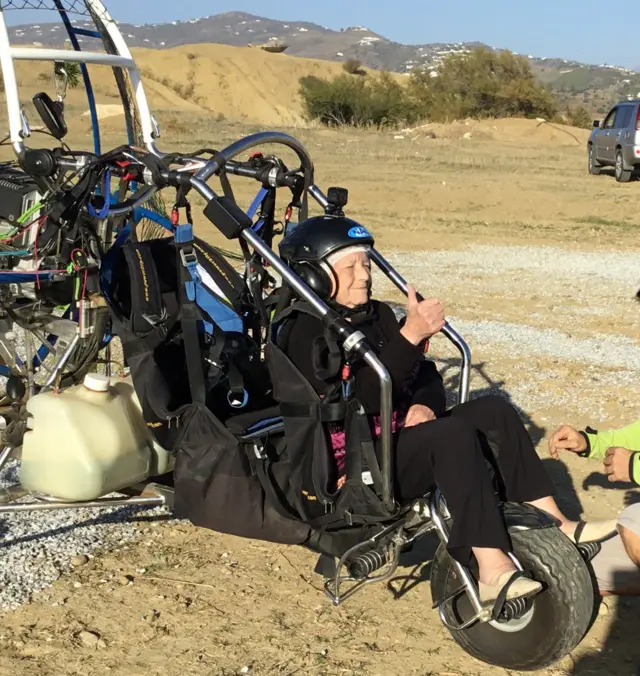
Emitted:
<point x="209" y="84"/>
<point x="596" y="86"/>
<point x="214" y="80"/>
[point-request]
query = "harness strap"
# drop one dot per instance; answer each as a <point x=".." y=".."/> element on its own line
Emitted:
<point x="152" y="339"/>
<point x="187" y="273"/>
<point x="368" y="451"/>
<point x="323" y="411"/>
<point x="334" y="360"/>
<point x="147" y="308"/>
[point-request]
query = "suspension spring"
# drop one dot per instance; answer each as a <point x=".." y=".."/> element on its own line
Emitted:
<point x="368" y="563"/>
<point x="513" y="610"/>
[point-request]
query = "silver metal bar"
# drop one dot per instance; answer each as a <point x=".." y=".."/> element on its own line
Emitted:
<point x="266" y="252"/>
<point x="253" y="140"/>
<point x="318" y="196"/>
<point x="462" y="572"/>
<point x="62" y="361"/>
<point x="465" y="367"/>
<point x="448" y="331"/>
<point x="107" y="502"/>
<point x="5" y="454"/>
<point x="28" y="344"/>
<point x="386" y="434"/>
<point x="95" y="58"/>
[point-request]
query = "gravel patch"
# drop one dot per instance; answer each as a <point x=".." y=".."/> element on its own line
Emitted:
<point x="543" y="261"/>
<point x="587" y="284"/>
<point x="37" y="547"/>
<point x="615" y="351"/>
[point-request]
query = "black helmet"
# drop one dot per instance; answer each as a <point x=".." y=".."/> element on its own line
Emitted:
<point x="310" y="242"/>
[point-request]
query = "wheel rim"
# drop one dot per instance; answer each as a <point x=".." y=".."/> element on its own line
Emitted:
<point x="513" y="626"/>
<point x="618" y="164"/>
<point x="591" y="163"/>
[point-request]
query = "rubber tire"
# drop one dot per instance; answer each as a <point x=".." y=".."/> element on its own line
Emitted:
<point x="595" y="168"/>
<point x="562" y="612"/>
<point x="622" y="175"/>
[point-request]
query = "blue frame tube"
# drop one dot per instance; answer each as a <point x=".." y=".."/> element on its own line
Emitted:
<point x="85" y="75"/>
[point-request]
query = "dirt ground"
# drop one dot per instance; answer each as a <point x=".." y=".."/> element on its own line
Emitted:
<point x="187" y="601"/>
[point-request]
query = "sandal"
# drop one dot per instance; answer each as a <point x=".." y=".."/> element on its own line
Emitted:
<point x="594" y="531"/>
<point x="511" y="585"/>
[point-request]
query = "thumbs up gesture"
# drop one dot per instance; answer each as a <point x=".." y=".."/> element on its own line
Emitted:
<point x="424" y="318"/>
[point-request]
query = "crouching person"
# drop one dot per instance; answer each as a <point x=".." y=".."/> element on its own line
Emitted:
<point x="617" y="565"/>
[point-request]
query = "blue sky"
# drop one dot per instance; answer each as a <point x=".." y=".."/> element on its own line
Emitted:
<point x="579" y="29"/>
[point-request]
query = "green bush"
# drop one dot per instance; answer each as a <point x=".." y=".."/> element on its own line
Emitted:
<point x="347" y="101"/>
<point x="579" y="117"/>
<point x="481" y="84"/>
<point x="74" y="74"/>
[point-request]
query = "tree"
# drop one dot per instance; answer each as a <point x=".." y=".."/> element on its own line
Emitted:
<point x="482" y="83"/>
<point x="353" y="67"/>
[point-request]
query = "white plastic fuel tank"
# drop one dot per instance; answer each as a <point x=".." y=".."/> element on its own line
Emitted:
<point x="89" y="440"/>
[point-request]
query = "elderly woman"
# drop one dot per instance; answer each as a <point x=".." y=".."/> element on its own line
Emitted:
<point x="433" y="446"/>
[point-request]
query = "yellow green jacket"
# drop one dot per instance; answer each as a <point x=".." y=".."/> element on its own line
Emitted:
<point x="626" y="437"/>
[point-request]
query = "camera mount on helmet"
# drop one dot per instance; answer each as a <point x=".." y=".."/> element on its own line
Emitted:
<point x="337" y="199"/>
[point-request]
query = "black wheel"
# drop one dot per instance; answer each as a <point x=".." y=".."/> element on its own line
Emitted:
<point x="555" y="621"/>
<point x="622" y="175"/>
<point x="595" y="168"/>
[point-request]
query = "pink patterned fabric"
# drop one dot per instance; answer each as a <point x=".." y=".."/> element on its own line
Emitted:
<point x="338" y="437"/>
<point x="397" y="422"/>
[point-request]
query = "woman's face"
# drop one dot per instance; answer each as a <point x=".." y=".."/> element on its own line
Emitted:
<point x="353" y="273"/>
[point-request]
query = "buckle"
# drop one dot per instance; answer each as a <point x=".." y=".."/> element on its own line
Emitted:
<point x="154" y="320"/>
<point x="188" y="257"/>
<point x="258" y="449"/>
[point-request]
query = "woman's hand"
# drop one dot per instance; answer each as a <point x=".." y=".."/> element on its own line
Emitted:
<point x="566" y="438"/>
<point x="418" y="414"/>
<point x="424" y="318"/>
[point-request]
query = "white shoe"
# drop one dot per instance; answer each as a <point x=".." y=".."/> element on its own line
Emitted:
<point x="511" y="585"/>
<point x="594" y="531"/>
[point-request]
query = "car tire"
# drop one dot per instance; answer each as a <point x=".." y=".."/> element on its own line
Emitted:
<point x="622" y="175"/>
<point x="595" y="168"/>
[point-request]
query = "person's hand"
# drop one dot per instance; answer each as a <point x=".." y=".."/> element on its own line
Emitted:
<point x="617" y="462"/>
<point x="566" y="438"/>
<point x="418" y="414"/>
<point x="424" y="318"/>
